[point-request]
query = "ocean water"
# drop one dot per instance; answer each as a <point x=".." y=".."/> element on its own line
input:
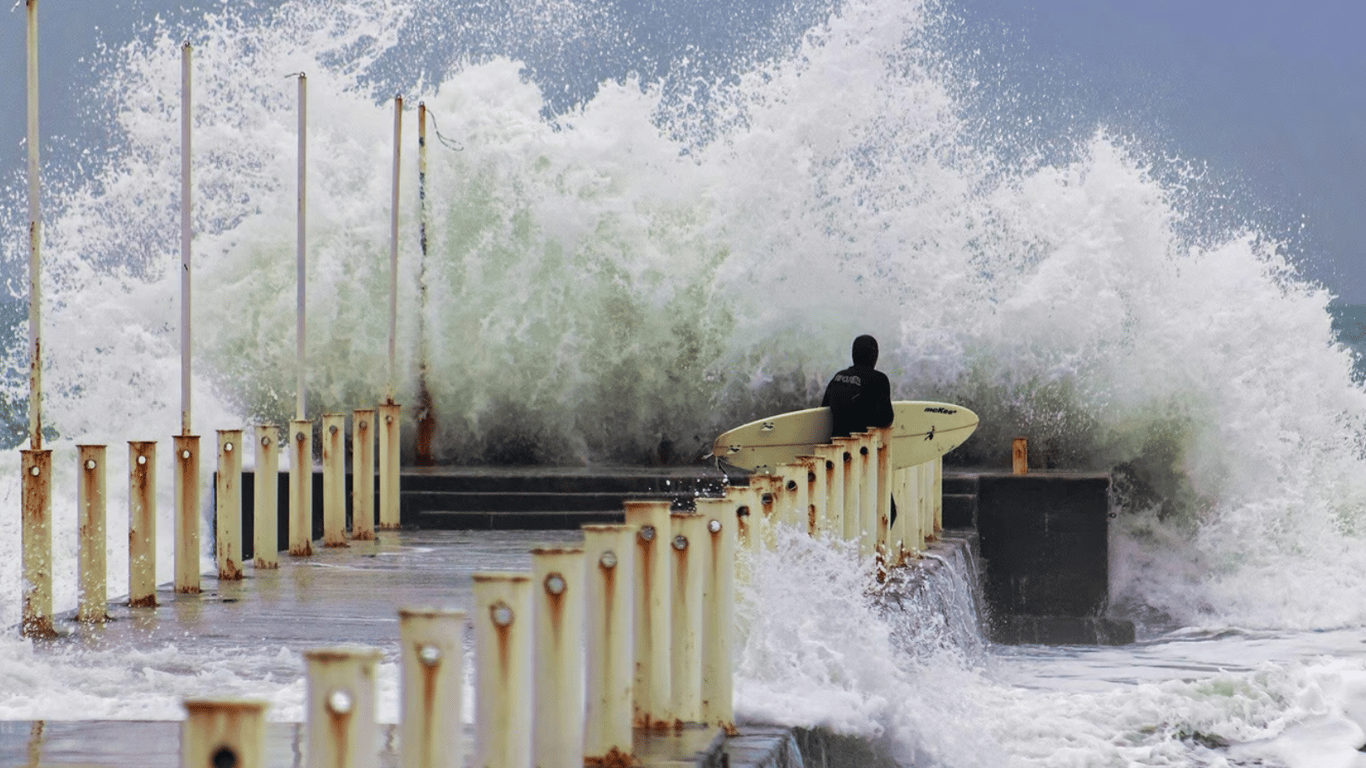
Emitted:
<point x="636" y="240"/>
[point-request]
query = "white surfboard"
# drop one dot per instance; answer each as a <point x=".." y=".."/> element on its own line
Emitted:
<point x="921" y="431"/>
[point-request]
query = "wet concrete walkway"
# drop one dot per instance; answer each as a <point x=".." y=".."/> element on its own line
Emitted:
<point x="340" y="596"/>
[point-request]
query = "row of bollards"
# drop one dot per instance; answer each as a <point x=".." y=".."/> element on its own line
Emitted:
<point x="92" y="503"/>
<point x="632" y="630"/>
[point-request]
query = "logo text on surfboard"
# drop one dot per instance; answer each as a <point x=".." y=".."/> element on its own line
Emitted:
<point x="938" y="409"/>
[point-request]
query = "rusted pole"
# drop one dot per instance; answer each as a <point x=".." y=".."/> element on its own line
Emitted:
<point x="301" y="488"/>
<point x="830" y="463"/>
<point x="688" y="545"/>
<point x="390" y="415"/>
<point x="433" y="679"/>
<point x="867" y="462"/>
<point x="223" y="733"/>
<point x="1019" y="456"/>
<point x="334" y="479"/>
<point x="557" y="737"/>
<point x="902" y="545"/>
<point x="187" y="514"/>
<point x="91" y="506"/>
<point x="882" y="468"/>
<point x="609" y="690"/>
<point x="301" y="256"/>
<point x="502" y="670"/>
<point x="748" y="512"/>
<point x="848" y="450"/>
<point x="266" y="495"/>
<point x="925" y="475"/>
<point x="35" y="240"/>
<point x="937" y="493"/>
<point x="793" y="510"/>
<point x="228" y="506"/>
<point x="718" y="608"/>
<point x="654" y="618"/>
<point x="810" y="517"/>
<point x="142" y="524"/>
<point x="185" y="236"/>
<point x="341" y="707"/>
<point x="37" y="540"/>
<point x="393" y="251"/>
<point x="426" y="408"/>
<point x="363" y="475"/>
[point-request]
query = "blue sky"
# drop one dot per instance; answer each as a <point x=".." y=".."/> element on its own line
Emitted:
<point x="1270" y="95"/>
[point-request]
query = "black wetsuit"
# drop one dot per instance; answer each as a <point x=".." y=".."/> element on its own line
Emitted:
<point x="859" y="397"/>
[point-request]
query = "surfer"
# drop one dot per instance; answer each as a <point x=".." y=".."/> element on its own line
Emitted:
<point x="860" y="396"/>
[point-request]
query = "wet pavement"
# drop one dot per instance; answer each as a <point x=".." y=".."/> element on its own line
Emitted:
<point x="341" y="596"/>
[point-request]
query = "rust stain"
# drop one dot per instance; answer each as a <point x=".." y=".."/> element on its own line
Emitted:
<point x="811" y="520"/>
<point x="615" y="758"/>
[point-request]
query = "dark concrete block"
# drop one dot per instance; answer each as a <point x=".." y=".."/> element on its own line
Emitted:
<point x="960" y="510"/>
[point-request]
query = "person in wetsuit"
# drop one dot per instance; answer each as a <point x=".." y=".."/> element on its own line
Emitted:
<point x="859" y="397"/>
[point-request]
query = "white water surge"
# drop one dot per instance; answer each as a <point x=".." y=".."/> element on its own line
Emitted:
<point x="617" y="271"/>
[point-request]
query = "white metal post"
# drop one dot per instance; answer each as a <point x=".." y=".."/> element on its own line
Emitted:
<point x="142" y="524"/>
<point x="363" y="474"/>
<point x="90" y="506"/>
<point x="393" y="249"/>
<point x="228" y="506"/>
<point x="301" y="256"/>
<point x="301" y="488"/>
<point x="223" y="733"/>
<point x="341" y="707"/>
<point x="558" y="582"/>
<point x="389" y="423"/>
<point x="37" y="541"/>
<point x="431" y="729"/>
<point x="718" y="599"/>
<point x="266" y="506"/>
<point x="35" y="240"/>
<point x="609" y="555"/>
<point x="185" y="238"/>
<point x="654" y="618"/>
<point x="187" y="514"/>
<point x="334" y="479"/>
<point x="502" y="670"/>
<point x="688" y="547"/>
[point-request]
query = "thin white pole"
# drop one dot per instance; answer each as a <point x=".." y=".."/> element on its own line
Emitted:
<point x="301" y="278"/>
<point x="185" y="239"/>
<point x="35" y="237"/>
<point x="393" y="249"/>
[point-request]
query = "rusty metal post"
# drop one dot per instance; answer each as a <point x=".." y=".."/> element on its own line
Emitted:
<point x="341" y="707"/>
<point x="814" y="512"/>
<point x="187" y="514"/>
<point x="1019" y="456"/>
<point x="432" y="672"/>
<point x="228" y="506"/>
<point x="848" y="450"/>
<point x="718" y="600"/>
<point x="142" y="524"/>
<point x="223" y="733"/>
<point x="925" y="474"/>
<point x="334" y="479"/>
<point x="389" y="424"/>
<point x="558" y="581"/>
<point x="653" y="689"/>
<point x="882" y="468"/>
<point x="900" y="539"/>
<point x="301" y="487"/>
<point x="610" y="683"/>
<point x="37" y="540"/>
<point x="502" y="670"/>
<point x="867" y="461"/>
<point x="792" y="510"/>
<point x="363" y="474"/>
<point x="91" y="509"/>
<point x="937" y="493"/>
<point x="266" y="507"/>
<point x="830" y="464"/>
<point x="689" y="543"/>
<point x="748" y="511"/>
<point x="768" y="492"/>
